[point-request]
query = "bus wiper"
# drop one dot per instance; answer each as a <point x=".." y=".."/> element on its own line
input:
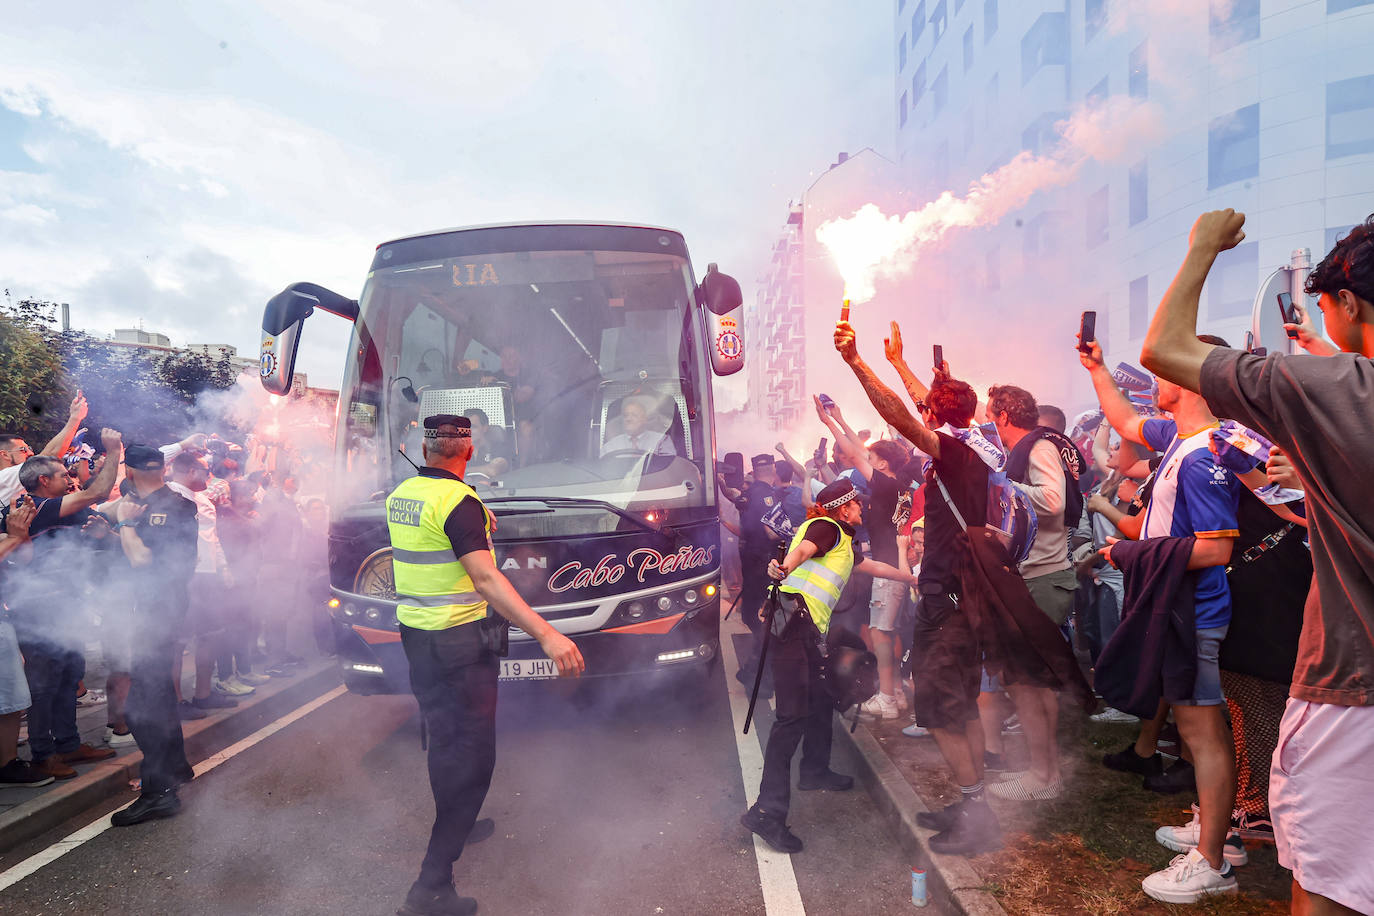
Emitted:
<point x="575" y="501"/>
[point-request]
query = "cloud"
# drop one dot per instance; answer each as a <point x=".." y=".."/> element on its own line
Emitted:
<point x="28" y="215"/>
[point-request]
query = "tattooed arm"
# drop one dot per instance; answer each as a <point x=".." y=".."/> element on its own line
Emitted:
<point x="887" y="401"/>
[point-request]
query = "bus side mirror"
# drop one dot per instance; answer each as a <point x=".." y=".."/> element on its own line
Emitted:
<point x="720" y="295"/>
<point x="281" y="329"/>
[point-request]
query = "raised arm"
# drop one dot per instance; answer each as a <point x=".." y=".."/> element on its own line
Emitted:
<point x="888" y="404"/>
<point x="1172" y="350"/>
<point x="1115" y="406"/>
<point x="1309" y="338"/>
<point x="58" y="445"/>
<point x="846" y="437"/>
<point x="892" y="349"/>
<point x="1102" y="447"/>
<point x="100" y="487"/>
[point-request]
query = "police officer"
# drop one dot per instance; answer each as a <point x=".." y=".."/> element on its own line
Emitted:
<point x="158" y="533"/>
<point x="447" y="585"/>
<point x="819" y="562"/>
<point x="755" y="550"/>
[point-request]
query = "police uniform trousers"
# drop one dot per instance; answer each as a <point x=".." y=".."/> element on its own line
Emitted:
<point x="454" y="678"/>
<point x="152" y="709"/>
<point x="753" y="559"/>
<point x="804" y="709"/>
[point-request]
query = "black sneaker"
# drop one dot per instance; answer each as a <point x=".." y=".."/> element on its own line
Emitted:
<point x="939" y="820"/>
<point x="21" y="774"/>
<point x="146" y="808"/>
<point x="214" y="701"/>
<point x="772" y="829"/>
<point x="1252" y="827"/>
<point x="994" y="763"/>
<point x="1128" y="761"/>
<point x="429" y="901"/>
<point x="835" y="782"/>
<point x="1178" y="778"/>
<point x="482" y="829"/>
<point x="188" y="713"/>
<point x="975" y="831"/>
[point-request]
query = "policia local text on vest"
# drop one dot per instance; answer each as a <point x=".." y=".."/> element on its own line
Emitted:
<point x="817" y="566"/>
<point x="447" y="586"/>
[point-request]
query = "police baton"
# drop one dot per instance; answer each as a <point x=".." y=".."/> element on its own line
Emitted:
<point x="772" y="605"/>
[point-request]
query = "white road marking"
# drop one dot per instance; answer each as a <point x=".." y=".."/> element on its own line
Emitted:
<point x="94" y="829"/>
<point x="777" y="879"/>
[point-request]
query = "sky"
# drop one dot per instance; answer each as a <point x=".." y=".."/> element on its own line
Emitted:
<point x="175" y="165"/>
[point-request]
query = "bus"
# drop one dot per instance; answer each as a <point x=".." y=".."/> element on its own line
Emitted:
<point x="584" y="354"/>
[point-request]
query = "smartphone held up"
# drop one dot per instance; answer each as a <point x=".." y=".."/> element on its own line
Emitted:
<point x="1087" y="332"/>
<point x="1289" y="311"/>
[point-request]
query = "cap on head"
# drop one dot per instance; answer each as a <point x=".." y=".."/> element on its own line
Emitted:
<point x="837" y="494"/>
<point x="762" y="462"/>
<point x="143" y="458"/>
<point x="462" y="426"/>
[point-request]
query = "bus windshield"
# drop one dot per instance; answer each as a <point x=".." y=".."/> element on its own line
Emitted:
<point x="581" y="371"/>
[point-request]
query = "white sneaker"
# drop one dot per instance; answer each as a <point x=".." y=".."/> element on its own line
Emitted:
<point x="252" y="680"/>
<point x="1188" y="879"/>
<point x="916" y="731"/>
<point x="1185" y="839"/>
<point x="116" y="740"/>
<point x="244" y="687"/>
<point x="230" y="688"/>
<point x="879" y="706"/>
<point x="1114" y="717"/>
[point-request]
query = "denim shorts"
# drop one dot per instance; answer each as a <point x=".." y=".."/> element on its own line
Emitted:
<point x="1207" y="687"/>
<point x="886" y="604"/>
<point x="14" y="686"/>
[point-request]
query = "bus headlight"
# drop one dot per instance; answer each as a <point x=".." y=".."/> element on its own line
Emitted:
<point x="635" y="610"/>
<point x="665" y="604"/>
<point x="373" y="615"/>
<point x="350" y="611"/>
<point x="689" y="597"/>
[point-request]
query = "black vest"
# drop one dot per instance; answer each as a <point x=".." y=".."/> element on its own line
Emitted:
<point x="1070" y="459"/>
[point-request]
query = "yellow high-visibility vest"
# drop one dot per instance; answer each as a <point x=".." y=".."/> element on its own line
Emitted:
<point x="820" y="580"/>
<point x="433" y="590"/>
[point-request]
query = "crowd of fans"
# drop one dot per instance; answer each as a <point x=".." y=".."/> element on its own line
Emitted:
<point x="1170" y="564"/>
<point x="202" y="549"/>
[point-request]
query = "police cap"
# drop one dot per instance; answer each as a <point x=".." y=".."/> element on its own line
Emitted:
<point x="433" y="422"/>
<point x="837" y="494"/>
<point x="761" y="461"/>
<point x="143" y="457"/>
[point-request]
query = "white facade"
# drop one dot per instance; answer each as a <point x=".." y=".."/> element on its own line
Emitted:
<point x="1270" y="111"/>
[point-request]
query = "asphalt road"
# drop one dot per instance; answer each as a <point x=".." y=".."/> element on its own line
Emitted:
<point x="622" y="801"/>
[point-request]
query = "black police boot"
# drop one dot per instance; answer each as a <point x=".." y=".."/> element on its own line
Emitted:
<point x="975" y="831"/>
<point x="772" y="829"/>
<point x="940" y="820"/>
<point x="149" y="805"/>
<point x="481" y="830"/>
<point x="835" y="782"/>
<point x="436" y="901"/>
<point x="1178" y="778"/>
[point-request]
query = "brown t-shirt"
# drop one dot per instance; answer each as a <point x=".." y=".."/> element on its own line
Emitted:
<point x="1320" y="411"/>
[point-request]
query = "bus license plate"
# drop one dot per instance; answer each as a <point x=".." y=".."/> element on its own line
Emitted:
<point x="524" y="669"/>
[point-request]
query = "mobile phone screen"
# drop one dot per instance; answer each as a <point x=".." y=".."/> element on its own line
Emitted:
<point x="1087" y="331"/>
<point x="1289" y="312"/>
<point x="939" y="355"/>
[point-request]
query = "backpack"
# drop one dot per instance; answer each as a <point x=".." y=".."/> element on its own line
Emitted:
<point x="1011" y="517"/>
<point x="1071" y="460"/>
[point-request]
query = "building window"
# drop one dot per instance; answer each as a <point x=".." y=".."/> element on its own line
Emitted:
<point x="901" y="111"/>
<point x="990" y="99"/>
<point x="1097" y="94"/>
<point x="940" y="90"/>
<point x="968" y="49"/>
<point x="901" y="5"/>
<point x="1233" y="147"/>
<point x="1335" y="233"/>
<point x="1350" y="117"/>
<point x="958" y="5"/>
<point x="940" y="19"/>
<point x="1340" y="6"/>
<point x="1140" y="306"/>
<point x="1041" y="234"/>
<point x="918" y="85"/>
<point x="1097" y="217"/>
<point x="1233" y="22"/>
<point x="1232" y="282"/>
<point x="1041" y="135"/>
<point x="1139" y="208"/>
<point x="1139" y="84"/>
<point x="989" y="20"/>
<point x="918" y="22"/>
<point x="901" y="55"/>
<point x="1046" y="43"/>
<point x="1094" y="18"/>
